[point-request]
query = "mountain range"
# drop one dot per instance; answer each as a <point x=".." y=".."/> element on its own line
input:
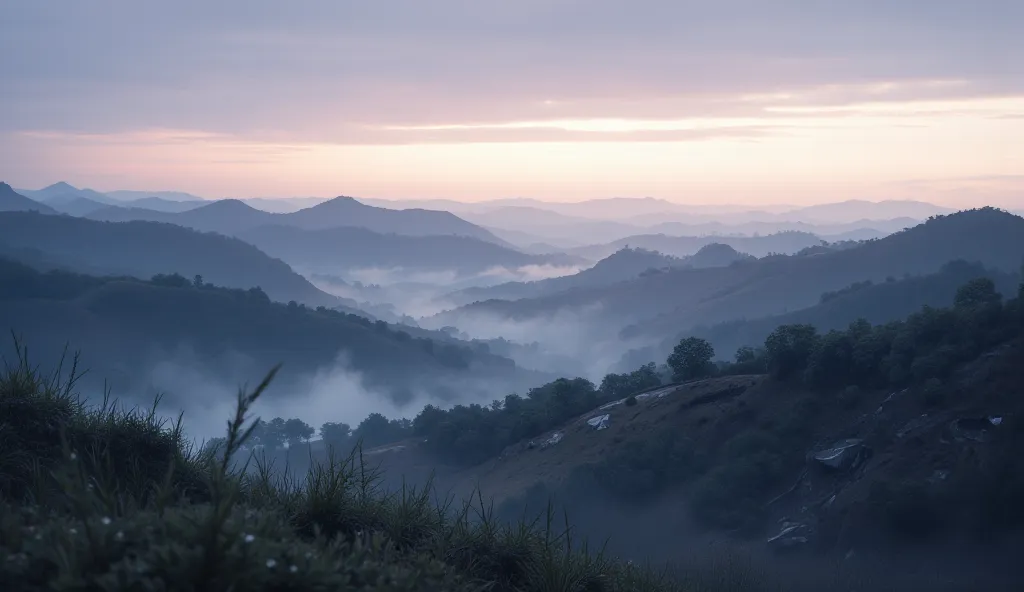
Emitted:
<point x="684" y="246"/>
<point x="625" y="264"/>
<point x="654" y="307"/>
<point x="232" y="216"/>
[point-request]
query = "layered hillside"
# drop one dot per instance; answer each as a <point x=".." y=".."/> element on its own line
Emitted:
<point x="12" y="201"/>
<point x="144" y="249"/>
<point x="221" y="336"/>
<point x="658" y="306"/>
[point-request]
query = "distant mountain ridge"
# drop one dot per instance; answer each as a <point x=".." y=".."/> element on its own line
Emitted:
<point x="144" y="249"/>
<point x="12" y="201"/>
<point x="652" y="307"/>
<point x="231" y="216"/>
<point x="684" y="246"/>
<point x="353" y="247"/>
<point x="623" y="265"/>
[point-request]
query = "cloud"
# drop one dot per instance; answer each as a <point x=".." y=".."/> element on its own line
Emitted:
<point x="575" y="342"/>
<point x="262" y="67"/>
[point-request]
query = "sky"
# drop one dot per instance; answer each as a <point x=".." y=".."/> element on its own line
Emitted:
<point x="715" y="101"/>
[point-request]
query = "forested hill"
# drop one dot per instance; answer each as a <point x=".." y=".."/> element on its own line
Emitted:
<point x="144" y="249"/>
<point x="877" y="302"/>
<point x="127" y="326"/>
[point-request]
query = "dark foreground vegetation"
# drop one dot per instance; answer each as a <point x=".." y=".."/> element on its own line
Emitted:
<point x="112" y="499"/>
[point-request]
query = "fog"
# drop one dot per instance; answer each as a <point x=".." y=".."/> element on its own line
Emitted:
<point x="336" y="393"/>
<point x="575" y="342"/>
<point x="204" y="391"/>
<point x="419" y="293"/>
<point x="579" y="335"/>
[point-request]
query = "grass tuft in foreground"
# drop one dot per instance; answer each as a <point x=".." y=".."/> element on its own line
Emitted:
<point x="115" y="499"/>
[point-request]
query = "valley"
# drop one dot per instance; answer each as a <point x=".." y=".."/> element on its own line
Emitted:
<point x="782" y="397"/>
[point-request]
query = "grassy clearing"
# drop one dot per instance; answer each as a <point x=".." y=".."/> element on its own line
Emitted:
<point x="108" y="498"/>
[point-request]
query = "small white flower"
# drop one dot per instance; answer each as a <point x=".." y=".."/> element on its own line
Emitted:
<point x="249" y="538"/>
<point x="309" y="554"/>
<point x="271" y="564"/>
<point x="119" y="536"/>
<point x="74" y="456"/>
<point x="105" y="521"/>
<point x="73" y="530"/>
<point x="293" y="568"/>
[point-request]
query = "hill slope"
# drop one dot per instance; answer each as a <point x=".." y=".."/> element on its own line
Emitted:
<point x="64" y="192"/>
<point x="218" y="336"/>
<point x="12" y="201"/>
<point x="624" y="264"/>
<point x="683" y="246"/>
<point x="777" y="285"/>
<point x="144" y="249"/>
<point x="211" y="525"/>
<point x="876" y="303"/>
<point x="76" y="206"/>
<point x="354" y="247"/>
<point x="871" y="439"/>
<point x="161" y="204"/>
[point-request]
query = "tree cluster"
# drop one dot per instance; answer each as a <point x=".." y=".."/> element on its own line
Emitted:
<point x="926" y="345"/>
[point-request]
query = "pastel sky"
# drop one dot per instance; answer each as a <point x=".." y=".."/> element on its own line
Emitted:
<point x="743" y="101"/>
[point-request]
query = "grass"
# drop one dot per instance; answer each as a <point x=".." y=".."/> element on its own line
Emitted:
<point x="109" y="498"/>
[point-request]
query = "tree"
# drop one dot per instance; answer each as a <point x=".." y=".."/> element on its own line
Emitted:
<point x="174" y="280"/>
<point x="335" y="433"/>
<point x="1020" y="288"/>
<point x="691" y="359"/>
<point x="745" y="355"/>
<point x="295" y="431"/>
<point x="376" y="430"/>
<point x="977" y="292"/>
<point x="197" y="281"/>
<point x="788" y="348"/>
<point x="830" y="360"/>
<point x="257" y="294"/>
<point x="273" y="434"/>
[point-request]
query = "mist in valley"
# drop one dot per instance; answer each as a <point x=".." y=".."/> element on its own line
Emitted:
<point x="573" y="297"/>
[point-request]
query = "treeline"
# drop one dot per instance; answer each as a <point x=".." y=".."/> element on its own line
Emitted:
<point x="469" y="434"/>
<point x="925" y="346"/>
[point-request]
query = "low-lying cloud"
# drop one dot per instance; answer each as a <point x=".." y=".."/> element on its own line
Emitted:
<point x="577" y="342"/>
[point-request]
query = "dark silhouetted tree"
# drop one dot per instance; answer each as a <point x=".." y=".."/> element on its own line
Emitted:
<point x="335" y="433"/>
<point x="296" y="431"/>
<point x="977" y="292"/>
<point x="691" y="359"/>
<point x="788" y="348"/>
